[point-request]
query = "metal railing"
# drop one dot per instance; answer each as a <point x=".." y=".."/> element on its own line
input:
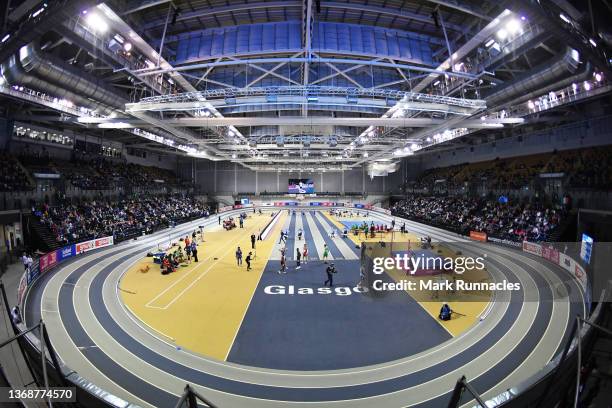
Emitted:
<point x="45" y="100"/>
<point x="313" y="91"/>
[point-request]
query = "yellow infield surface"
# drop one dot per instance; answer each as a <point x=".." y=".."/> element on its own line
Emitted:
<point x="215" y="289"/>
<point x="469" y="307"/>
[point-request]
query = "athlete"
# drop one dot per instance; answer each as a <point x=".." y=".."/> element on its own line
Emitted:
<point x="283" y="263"/>
<point x="305" y="253"/>
<point x="298" y="257"/>
<point x="325" y="252"/>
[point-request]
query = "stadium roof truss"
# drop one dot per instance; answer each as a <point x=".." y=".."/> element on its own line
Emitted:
<point x="268" y="83"/>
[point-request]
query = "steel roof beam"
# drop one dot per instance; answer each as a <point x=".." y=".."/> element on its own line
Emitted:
<point x="227" y="9"/>
<point x="393" y="12"/>
<point x="124" y="29"/>
<point x="459" y="7"/>
<point x="232" y="62"/>
<point x="326" y="121"/>
<point x="145" y="6"/>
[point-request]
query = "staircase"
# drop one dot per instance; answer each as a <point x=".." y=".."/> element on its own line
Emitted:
<point x="40" y="236"/>
<point x="566" y="230"/>
<point x="26" y="172"/>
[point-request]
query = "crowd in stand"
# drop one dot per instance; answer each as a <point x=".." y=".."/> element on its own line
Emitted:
<point x="514" y="222"/>
<point x="12" y="176"/>
<point x="582" y="168"/>
<point x="85" y="171"/>
<point x="134" y="174"/>
<point x="588" y="168"/>
<point x="80" y="222"/>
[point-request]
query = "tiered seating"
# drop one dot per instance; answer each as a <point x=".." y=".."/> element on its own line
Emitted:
<point x="515" y="222"/>
<point x="81" y="174"/>
<point x="134" y="174"/>
<point x="584" y="168"/>
<point x="79" y="222"/>
<point x="587" y="168"/>
<point x="12" y="176"/>
<point x="97" y="173"/>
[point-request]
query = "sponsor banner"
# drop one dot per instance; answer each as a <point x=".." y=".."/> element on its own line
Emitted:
<point x="328" y="204"/>
<point x="532" y="248"/>
<point x="103" y="242"/>
<point x="581" y="275"/>
<point x="566" y="262"/>
<point x="314" y="203"/>
<point x="365" y="206"/>
<point x="226" y="208"/>
<point x="23" y="284"/>
<point x="575" y="269"/>
<point x="85" y="246"/>
<point x="507" y="242"/>
<point x="237" y="206"/>
<point x="550" y="254"/>
<point x="66" y="252"/>
<point x="285" y="203"/>
<point x="47" y="261"/>
<point x="33" y="272"/>
<point x="478" y="236"/>
<point x="382" y="210"/>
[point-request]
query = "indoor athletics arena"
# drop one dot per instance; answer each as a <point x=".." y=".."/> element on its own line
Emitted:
<point x="290" y="204"/>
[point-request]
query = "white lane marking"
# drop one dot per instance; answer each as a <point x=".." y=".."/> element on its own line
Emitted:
<point x="341" y="243"/>
<point x="246" y="309"/>
<point x="203" y="274"/>
<point x="318" y="239"/>
<point x="353" y="372"/>
<point x="276" y="250"/>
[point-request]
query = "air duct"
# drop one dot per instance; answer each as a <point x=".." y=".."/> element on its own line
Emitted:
<point x="14" y="74"/>
<point x="56" y="71"/>
<point x="542" y="76"/>
<point x="380" y="169"/>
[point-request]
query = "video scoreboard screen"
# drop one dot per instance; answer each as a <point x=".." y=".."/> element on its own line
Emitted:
<point x="301" y="186"/>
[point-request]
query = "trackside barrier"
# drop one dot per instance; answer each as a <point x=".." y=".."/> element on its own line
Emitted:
<point x="555" y="380"/>
<point x="558" y="258"/>
<point x="88" y="395"/>
<point x="550" y="385"/>
<point x="51" y="259"/>
<point x="268" y="228"/>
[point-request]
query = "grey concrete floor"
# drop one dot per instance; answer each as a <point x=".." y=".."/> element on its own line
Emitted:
<point x="11" y="359"/>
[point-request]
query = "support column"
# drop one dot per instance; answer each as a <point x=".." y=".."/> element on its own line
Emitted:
<point x="321" y="186"/>
<point x="363" y="179"/>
